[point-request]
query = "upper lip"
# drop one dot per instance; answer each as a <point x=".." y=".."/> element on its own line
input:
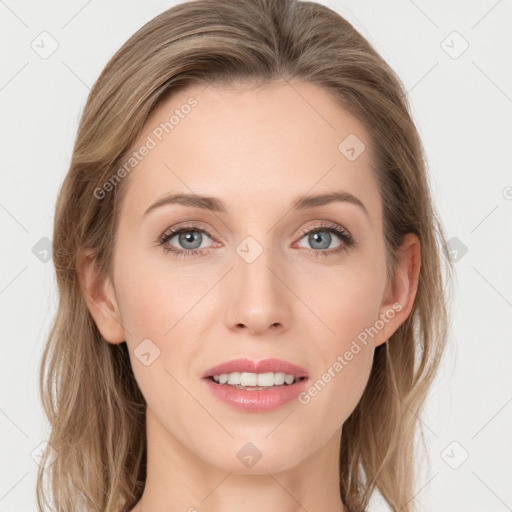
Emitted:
<point x="249" y="366"/>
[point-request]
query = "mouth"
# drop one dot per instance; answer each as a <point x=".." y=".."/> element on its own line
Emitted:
<point x="243" y="395"/>
<point x="256" y="386"/>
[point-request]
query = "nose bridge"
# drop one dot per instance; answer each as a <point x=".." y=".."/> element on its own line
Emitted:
<point x="258" y="297"/>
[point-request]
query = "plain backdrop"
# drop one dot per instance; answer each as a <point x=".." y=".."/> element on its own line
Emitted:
<point x="454" y="59"/>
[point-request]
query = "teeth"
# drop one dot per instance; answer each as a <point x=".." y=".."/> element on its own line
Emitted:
<point x="289" y="379"/>
<point x="255" y="379"/>
<point x="233" y="378"/>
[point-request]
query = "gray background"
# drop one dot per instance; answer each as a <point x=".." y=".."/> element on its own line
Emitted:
<point x="462" y="104"/>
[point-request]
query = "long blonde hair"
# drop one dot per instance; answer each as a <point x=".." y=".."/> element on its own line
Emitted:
<point x="95" y="409"/>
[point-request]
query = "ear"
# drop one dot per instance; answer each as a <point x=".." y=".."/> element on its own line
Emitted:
<point x="399" y="295"/>
<point x="100" y="298"/>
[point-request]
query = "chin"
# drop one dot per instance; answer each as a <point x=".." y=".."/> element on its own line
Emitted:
<point x="255" y="457"/>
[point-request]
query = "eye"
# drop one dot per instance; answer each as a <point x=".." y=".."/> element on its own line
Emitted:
<point x="320" y="238"/>
<point x="190" y="239"/>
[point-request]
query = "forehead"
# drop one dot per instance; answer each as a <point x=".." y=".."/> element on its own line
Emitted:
<point x="252" y="145"/>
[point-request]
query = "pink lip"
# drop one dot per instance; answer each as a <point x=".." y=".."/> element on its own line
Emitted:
<point x="256" y="400"/>
<point x="264" y="366"/>
<point x="262" y="400"/>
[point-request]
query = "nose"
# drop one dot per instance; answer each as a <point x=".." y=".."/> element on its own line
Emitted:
<point x="258" y="298"/>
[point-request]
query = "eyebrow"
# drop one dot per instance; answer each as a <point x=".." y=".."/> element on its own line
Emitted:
<point x="217" y="205"/>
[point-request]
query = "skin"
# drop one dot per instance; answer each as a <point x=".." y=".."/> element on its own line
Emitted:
<point x="257" y="149"/>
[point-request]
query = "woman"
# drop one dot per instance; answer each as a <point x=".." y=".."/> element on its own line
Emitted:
<point x="248" y="259"/>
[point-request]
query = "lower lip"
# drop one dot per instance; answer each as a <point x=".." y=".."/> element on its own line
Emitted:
<point x="256" y="400"/>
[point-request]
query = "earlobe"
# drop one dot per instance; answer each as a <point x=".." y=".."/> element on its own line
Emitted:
<point x="100" y="298"/>
<point x="399" y="296"/>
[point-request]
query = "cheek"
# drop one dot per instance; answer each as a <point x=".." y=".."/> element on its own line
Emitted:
<point x="152" y="301"/>
<point x="348" y="298"/>
<point x="346" y="362"/>
<point x="348" y="309"/>
<point x="153" y="296"/>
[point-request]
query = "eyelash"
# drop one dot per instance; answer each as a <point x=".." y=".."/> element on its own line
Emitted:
<point x="347" y="240"/>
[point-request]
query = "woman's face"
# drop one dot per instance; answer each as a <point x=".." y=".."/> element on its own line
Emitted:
<point x="245" y="282"/>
